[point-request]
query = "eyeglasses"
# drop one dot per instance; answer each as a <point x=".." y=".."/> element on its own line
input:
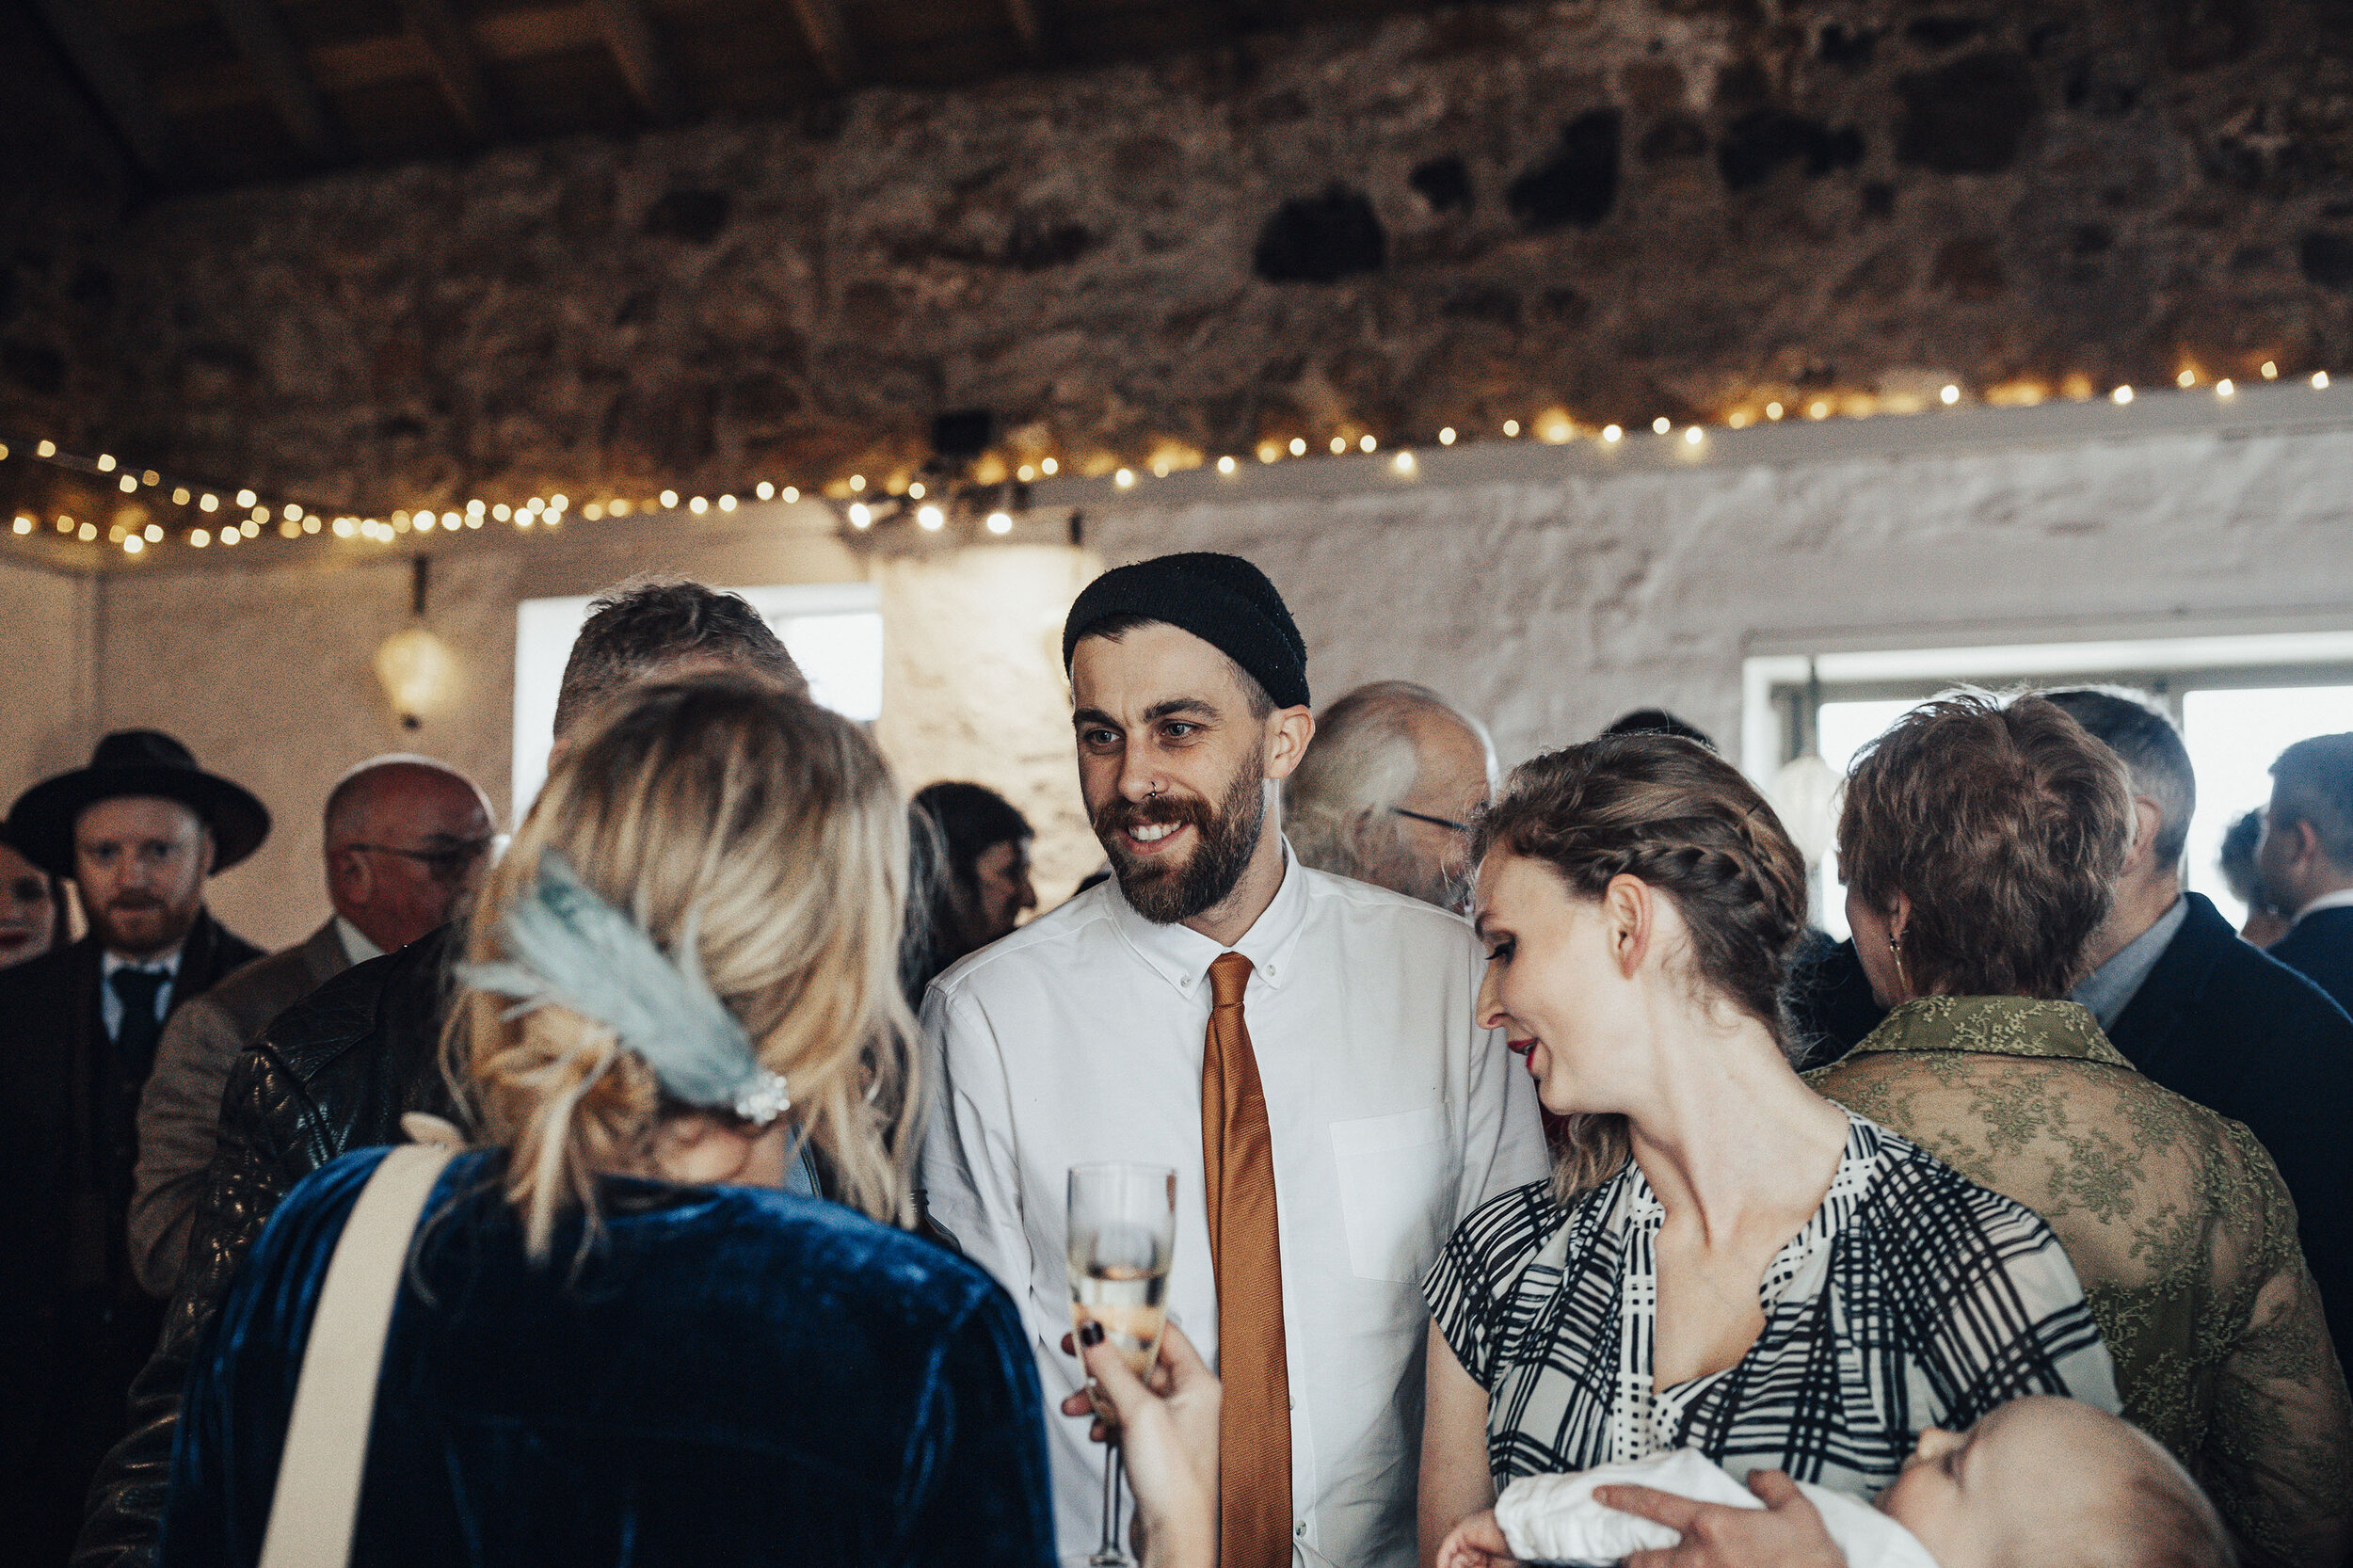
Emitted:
<point x="446" y="865"/>
<point x="1448" y="823"/>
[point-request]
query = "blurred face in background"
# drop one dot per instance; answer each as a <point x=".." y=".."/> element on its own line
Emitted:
<point x="28" y="909"/>
<point x="141" y="862"/>
<point x="999" y="894"/>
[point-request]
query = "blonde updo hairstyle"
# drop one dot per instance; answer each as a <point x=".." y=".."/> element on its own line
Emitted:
<point x="775" y="827"/>
<point x="1680" y="817"/>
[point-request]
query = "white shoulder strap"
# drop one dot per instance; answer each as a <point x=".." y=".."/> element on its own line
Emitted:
<point x="317" y="1501"/>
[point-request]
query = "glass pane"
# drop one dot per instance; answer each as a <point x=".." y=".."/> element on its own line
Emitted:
<point x="2233" y="736"/>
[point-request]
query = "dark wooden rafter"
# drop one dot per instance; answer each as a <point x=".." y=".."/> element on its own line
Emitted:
<point x="122" y="93"/>
<point x="1028" y="20"/>
<point x="629" y="35"/>
<point x="457" y="65"/>
<point x="277" y="65"/>
<point x="828" y="39"/>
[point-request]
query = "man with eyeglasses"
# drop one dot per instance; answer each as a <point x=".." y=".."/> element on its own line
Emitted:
<point x="406" y="839"/>
<point x="1388" y="791"/>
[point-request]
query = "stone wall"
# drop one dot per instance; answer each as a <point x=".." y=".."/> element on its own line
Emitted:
<point x="1617" y="208"/>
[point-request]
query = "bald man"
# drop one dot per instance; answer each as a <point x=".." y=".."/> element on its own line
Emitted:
<point x="406" y="839"/>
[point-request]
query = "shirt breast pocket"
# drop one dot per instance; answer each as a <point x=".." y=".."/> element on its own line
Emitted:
<point x="1395" y="1179"/>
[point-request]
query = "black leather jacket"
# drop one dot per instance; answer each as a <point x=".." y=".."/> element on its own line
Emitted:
<point x="334" y="1073"/>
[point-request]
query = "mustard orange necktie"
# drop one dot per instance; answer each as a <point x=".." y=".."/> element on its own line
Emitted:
<point x="1254" y="1453"/>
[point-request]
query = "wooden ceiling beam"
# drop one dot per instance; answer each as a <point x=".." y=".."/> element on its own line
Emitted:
<point x="457" y="65"/>
<point x="828" y="39"/>
<point x="1028" y="20"/>
<point x="262" y="38"/>
<point x="122" y="93"/>
<point x="629" y="35"/>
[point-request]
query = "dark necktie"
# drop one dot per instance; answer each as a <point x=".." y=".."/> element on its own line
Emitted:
<point x="1254" y="1451"/>
<point x="135" y="1040"/>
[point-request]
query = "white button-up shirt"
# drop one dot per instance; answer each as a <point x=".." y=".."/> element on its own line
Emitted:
<point x="1078" y="1038"/>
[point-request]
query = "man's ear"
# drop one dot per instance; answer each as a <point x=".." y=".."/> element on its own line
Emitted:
<point x="1900" y="916"/>
<point x="2147" y="821"/>
<point x="1630" y="919"/>
<point x="350" y="879"/>
<point x="205" y="851"/>
<point x="1289" y="733"/>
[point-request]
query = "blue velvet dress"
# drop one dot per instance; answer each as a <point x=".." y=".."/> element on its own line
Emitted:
<point x="733" y="1376"/>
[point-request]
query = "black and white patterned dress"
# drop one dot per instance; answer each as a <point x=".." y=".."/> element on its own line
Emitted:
<point x="1913" y="1298"/>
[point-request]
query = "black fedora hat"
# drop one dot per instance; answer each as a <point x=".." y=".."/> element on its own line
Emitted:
<point x="136" y="762"/>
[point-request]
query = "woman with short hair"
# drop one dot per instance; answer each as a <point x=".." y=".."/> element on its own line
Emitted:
<point x="617" y="1340"/>
<point x="1722" y="1259"/>
<point x="1980" y="840"/>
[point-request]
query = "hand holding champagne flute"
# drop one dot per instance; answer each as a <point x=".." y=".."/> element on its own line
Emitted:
<point x="1121" y="1231"/>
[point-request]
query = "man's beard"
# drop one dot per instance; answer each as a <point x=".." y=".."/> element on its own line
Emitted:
<point x="1228" y="835"/>
<point x="140" y="924"/>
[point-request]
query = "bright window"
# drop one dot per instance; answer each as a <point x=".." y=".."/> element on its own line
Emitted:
<point x="2233" y="736"/>
<point x="834" y="630"/>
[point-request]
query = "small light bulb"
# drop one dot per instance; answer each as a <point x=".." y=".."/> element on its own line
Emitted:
<point x="1660" y="426"/>
<point x="292" y="513"/>
<point x="669" y="500"/>
<point x="1612" y="433"/>
<point x="2223" y="388"/>
<point x="999" y="522"/>
<point x="2271" y="370"/>
<point x="344" y="528"/>
<point x="1299" y="447"/>
<point x="1402" y="462"/>
<point x="930" y="518"/>
<point x="726" y="504"/>
<point x="46" y="449"/>
<point x="1340" y="444"/>
<point x="860" y="514"/>
<point x="150" y="479"/>
<point x="310" y="523"/>
<point x="1026" y="472"/>
<point x="230" y="535"/>
<point x="559" y="502"/>
<point x="127" y="484"/>
<point x="475" y="507"/>
<point x="180" y="496"/>
<point x="106" y="463"/>
<point x="87" y="532"/>
<point x="1124" y="478"/>
<point x="1690" y="434"/>
<point x="766" y="490"/>
<point x="289" y="529"/>
<point x="1048" y="467"/>
<point x="132" y="545"/>
<point x="1951" y="394"/>
<point x="208" y="503"/>
<point x="502" y="511"/>
<point x="1446" y="436"/>
<point x="699" y="505"/>
<point x="2122" y="395"/>
<point x="1510" y="427"/>
<point x="620" y="506"/>
<point x="154" y="532"/>
<point x="246" y="498"/>
<point x="201" y="539"/>
<point x="1367" y="442"/>
<point x="2320" y="380"/>
<point x="2187" y="380"/>
<point x="426" y="522"/>
<point x="791" y="493"/>
<point x="1772" y="410"/>
<point x="857" y="481"/>
<point x="1269" y="452"/>
<point x="251" y="528"/>
<point x="594" y="510"/>
<point x="1159" y="468"/>
<point x="1227" y="465"/>
<point x="1817" y="410"/>
<point x="22" y="525"/>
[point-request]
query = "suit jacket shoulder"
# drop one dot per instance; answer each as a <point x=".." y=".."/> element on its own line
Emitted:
<point x="2321" y="949"/>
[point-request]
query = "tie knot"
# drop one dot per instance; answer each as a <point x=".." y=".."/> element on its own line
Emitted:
<point x="1229" y="976"/>
<point x="136" y="987"/>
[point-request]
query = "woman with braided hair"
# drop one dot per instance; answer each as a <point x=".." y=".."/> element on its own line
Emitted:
<point x="1722" y="1259"/>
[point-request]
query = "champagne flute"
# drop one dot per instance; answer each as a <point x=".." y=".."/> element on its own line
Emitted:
<point x="1122" y="1229"/>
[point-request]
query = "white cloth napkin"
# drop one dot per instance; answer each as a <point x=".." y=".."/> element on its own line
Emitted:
<point x="1555" y="1519"/>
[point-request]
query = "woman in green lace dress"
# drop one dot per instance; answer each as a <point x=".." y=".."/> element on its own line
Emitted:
<point x="1978" y="843"/>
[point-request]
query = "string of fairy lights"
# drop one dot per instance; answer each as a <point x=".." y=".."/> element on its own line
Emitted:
<point x="220" y="516"/>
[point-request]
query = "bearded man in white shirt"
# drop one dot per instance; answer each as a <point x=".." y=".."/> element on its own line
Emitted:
<point x="1299" y="1047"/>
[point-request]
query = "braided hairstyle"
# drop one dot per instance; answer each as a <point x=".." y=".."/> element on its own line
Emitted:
<point x="1683" y="819"/>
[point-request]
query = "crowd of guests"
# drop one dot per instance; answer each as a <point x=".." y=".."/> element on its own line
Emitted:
<point x="1549" y="1187"/>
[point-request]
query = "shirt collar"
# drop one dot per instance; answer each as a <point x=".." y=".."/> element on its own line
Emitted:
<point x="1994" y="1026"/>
<point x="168" y="963"/>
<point x="2110" y="988"/>
<point x="1182" y="955"/>
<point x="357" y="947"/>
<point x="2340" y="899"/>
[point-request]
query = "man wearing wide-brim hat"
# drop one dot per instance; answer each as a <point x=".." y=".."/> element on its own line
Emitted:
<point x="139" y="831"/>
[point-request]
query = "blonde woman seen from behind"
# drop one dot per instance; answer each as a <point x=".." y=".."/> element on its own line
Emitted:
<point x="617" y="1339"/>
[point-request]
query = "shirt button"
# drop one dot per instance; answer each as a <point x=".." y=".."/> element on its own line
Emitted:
<point x="1300" y="1528"/>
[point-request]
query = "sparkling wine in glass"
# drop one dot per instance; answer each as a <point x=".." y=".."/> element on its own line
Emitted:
<point x="1122" y="1229"/>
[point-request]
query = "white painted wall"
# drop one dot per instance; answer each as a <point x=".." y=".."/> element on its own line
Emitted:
<point x="1548" y="599"/>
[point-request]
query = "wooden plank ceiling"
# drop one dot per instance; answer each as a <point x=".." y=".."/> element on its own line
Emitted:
<point x="218" y="92"/>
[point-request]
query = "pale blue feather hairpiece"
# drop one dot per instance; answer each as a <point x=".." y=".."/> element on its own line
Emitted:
<point x="567" y="948"/>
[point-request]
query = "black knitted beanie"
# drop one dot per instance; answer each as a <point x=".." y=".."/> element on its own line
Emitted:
<point x="1223" y="599"/>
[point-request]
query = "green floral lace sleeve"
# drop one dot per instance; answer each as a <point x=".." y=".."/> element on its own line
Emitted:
<point x="2179" y="1227"/>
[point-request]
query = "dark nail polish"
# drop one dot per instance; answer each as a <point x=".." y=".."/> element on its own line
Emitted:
<point x="1090" y="1334"/>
